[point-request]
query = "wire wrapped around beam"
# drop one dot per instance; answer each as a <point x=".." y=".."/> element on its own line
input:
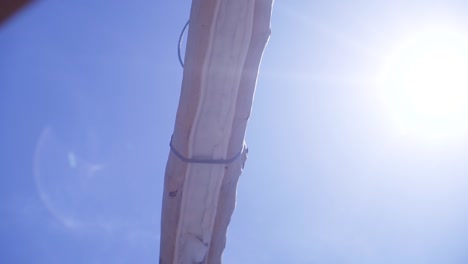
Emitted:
<point x="207" y="161"/>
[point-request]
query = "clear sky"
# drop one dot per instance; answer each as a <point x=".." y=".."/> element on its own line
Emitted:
<point x="88" y="94"/>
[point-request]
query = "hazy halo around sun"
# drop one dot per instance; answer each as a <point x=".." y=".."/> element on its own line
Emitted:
<point x="424" y="83"/>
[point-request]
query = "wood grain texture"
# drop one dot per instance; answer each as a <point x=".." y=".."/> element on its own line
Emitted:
<point x="224" y="48"/>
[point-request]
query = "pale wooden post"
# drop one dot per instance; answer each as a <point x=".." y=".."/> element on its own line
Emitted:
<point x="225" y="43"/>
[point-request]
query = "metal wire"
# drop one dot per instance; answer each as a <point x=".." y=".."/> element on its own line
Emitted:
<point x="208" y="161"/>
<point x="180" y="43"/>
<point x="197" y="160"/>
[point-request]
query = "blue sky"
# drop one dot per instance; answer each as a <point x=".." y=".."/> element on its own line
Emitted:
<point x="88" y="94"/>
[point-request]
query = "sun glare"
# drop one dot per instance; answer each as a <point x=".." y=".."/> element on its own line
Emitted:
<point x="425" y="84"/>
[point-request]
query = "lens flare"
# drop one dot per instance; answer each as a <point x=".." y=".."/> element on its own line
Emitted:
<point x="425" y="84"/>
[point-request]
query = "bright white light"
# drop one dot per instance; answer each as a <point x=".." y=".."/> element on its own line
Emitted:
<point x="425" y="84"/>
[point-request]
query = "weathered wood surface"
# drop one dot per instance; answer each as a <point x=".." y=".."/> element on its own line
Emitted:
<point x="225" y="43"/>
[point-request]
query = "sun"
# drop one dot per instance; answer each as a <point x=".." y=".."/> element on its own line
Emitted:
<point x="424" y="84"/>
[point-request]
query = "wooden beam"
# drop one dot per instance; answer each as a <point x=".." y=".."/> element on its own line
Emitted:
<point x="225" y="43"/>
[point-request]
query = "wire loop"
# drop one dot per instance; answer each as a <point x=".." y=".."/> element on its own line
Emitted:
<point x="206" y="161"/>
<point x="180" y="43"/>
